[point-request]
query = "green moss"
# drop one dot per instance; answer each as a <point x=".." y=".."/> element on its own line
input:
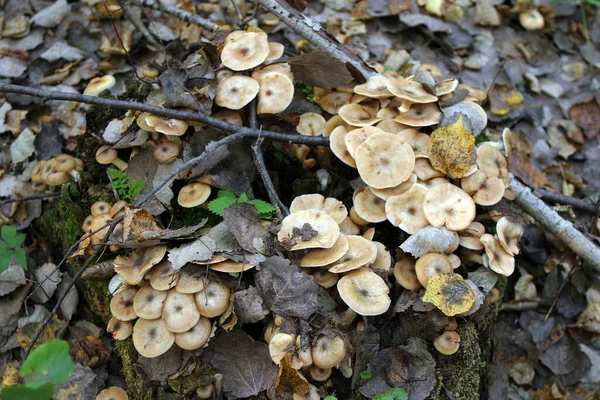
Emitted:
<point x="138" y="385"/>
<point x="136" y="91"/>
<point x="97" y="296"/>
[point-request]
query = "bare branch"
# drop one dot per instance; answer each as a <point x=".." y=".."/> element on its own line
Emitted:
<point x="28" y="198"/>
<point x="47" y="95"/>
<point x="181" y="14"/>
<point x="554" y="197"/>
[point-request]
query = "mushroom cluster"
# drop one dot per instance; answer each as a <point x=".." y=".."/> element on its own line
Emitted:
<point x="101" y="214"/>
<point x="55" y="171"/>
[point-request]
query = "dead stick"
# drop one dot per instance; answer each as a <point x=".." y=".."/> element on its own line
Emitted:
<point x="181" y="14"/>
<point x="562" y="199"/>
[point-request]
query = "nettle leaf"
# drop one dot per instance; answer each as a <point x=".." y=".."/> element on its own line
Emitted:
<point x="50" y="362"/>
<point x="226" y="193"/>
<point x="218" y="205"/>
<point x="398" y="394"/>
<point x="21" y="257"/>
<point x="9" y="234"/>
<point x="135" y="188"/>
<point x="243" y="198"/>
<point x="263" y="208"/>
<point x="24" y="392"/>
<point x="5" y="259"/>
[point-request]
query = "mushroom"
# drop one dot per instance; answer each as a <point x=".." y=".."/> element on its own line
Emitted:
<point x="374" y="88"/>
<point x="391" y="126"/>
<point x="280" y="68"/>
<point x="325" y="279"/>
<point x="412" y="91"/>
<point x="405" y="210"/>
<point x="151" y="338"/>
<point x="383" y="260"/>
<point x="360" y="252"/>
<point x="148" y="302"/>
<point x="121" y="305"/>
<point x="328" y="352"/>
<point x="472" y="183"/>
<point x="167" y="126"/>
<point x="332" y="206"/>
<point x="163" y="276"/>
<point x="491" y="161"/>
<point x="364" y="292"/>
<point x="509" y="234"/>
<point x="231" y="267"/>
<point x="401" y="188"/>
<point x="166" y="152"/>
<point x="370" y="207"/>
<point x="120" y="330"/>
<point x="433" y="69"/>
<point x="179" y="312"/>
<point x="113" y="392"/>
<point x="405" y="274"/>
<point x="469" y="238"/>
<point x="99" y="85"/>
<point x="358" y="115"/>
<point x="430" y="265"/>
<point x="425" y="171"/>
<point x="133" y="267"/>
<point x="280" y="345"/>
<point x="420" y="115"/>
<point x="356" y="137"/>
<point x="418" y="141"/>
<point x="196" y="337"/>
<point x="205" y="392"/>
<point x="490" y="192"/>
<point x="236" y="91"/>
<point x="311" y="124"/>
<point x="107" y="155"/>
<point x="447" y="343"/>
<point x="66" y="164"/>
<point x="117" y="208"/>
<point x="322" y="257"/>
<point x="332" y="102"/>
<point x="100" y="208"/>
<point x="337" y="144"/>
<point x="384" y="160"/>
<point x="349" y="227"/>
<point x="446" y="204"/>
<point x="454" y="260"/>
<point x="500" y="261"/>
<point x="532" y="20"/>
<point x="275" y="51"/>
<point x="369" y="234"/>
<point x="229" y="116"/>
<point x="387" y="113"/>
<point x="319" y="374"/>
<point x="193" y="194"/>
<point x="308" y="229"/>
<point x="86" y="225"/>
<point x="356" y="218"/>
<point x="275" y="94"/>
<point x="244" y="50"/>
<point x="213" y="300"/>
<point x="192" y="279"/>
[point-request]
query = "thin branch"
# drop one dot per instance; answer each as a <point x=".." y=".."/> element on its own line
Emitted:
<point x="181" y="14"/>
<point x="317" y="36"/>
<point x="47" y="95"/>
<point x="562" y="199"/>
<point x="139" y="25"/>
<point x="556" y="225"/>
<point x="28" y="198"/>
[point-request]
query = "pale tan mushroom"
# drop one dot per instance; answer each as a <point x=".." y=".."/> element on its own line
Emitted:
<point x="349" y="227"/>
<point x="121" y="305"/>
<point x="446" y="204"/>
<point x="447" y="343"/>
<point x="391" y="126"/>
<point x="472" y="183"/>
<point x="425" y="171"/>
<point x="490" y="192"/>
<point x="192" y="279"/>
<point x="328" y="352"/>
<point x="108" y="155"/>
<point x="148" y="302"/>
<point x="417" y="140"/>
<point x="356" y="218"/>
<point x="370" y="207"/>
<point x="236" y="91"/>
<point x="405" y="274"/>
<point x="532" y="20"/>
<point x="213" y="300"/>
<point x="491" y="161"/>
<point x="383" y="260"/>
<point x="364" y="292"/>
<point x="231" y="267"/>
<point x="99" y="208"/>
<point x="369" y="234"/>
<point x="205" y="391"/>
<point x="319" y="374"/>
<point x="325" y="279"/>
<point x="322" y="257"/>
<point x="386" y="193"/>
<point x="332" y="102"/>
<point x="308" y="229"/>
<point x="167" y="126"/>
<point x="275" y="51"/>
<point x="193" y="194"/>
<point x="356" y="137"/>
<point x="244" y="50"/>
<point x="375" y="88"/>
<point x="337" y="143"/>
<point x="469" y="238"/>
<point x="405" y="210"/>
<point x="358" y="115"/>
<point x="281" y="68"/>
<point x="99" y="85"/>
<point x="134" y="266"/>
<point x="229" y="116"/>
<point x="311" y="124"/>
<point x="151" y="338"/>
<point x="387" y="114"/>
<point x="420" y="115"/>
<point x="275" y="93"/>
<point x="112" y="393"/>
<point x="499" y="260"/>
<point x="445" y="87"/>
<point x="120" y="330"/>
<point x="166" y="152"/>
<point x="430" y="265"/>
<point x="433" y="69"/>
<point x="179" y="312"/>
<point x="509" y="234"/>
<point x="410" y="90"/>
<point x="281" y="345"/>
<point x="163" y="276"/>
<point x="196" y="337"/>
<point x="360" y="252"/>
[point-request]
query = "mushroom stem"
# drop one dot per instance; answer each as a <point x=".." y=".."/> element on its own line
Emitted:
<point x="556" y="225"/>
<point x="122" y="165"/>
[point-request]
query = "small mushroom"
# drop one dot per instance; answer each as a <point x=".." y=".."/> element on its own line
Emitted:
<point x="328" y="352"/>
<point x="236" y="91"/>
<point x="117" y="208"/>
<point x="311" y="124"/>
<point x="405" y="210"/>
<point x="100" y="208"/>
<point x="332" y="206"/>
<point x="405" y="274"/>
<point x="500" y="261"/>
<point x="360" y="252"/>
<point x="401" y="188"/>
<point x="532" y="20"/>
<point x="490" y="192"/>
<point x="425" y="171"/>
<point x="121" y="305"/>
<point x="275" y="51"/>
<point x="370" y="207"/>
<point x="231" y="267"/>
<point x="112" y="393"/>
<point x="420" y="115"/>
<point x="356" y="137"/>
<point x="192" y="279"/>
<point x="151" y="338"/>
<point x="337" y="144"/>
<point x="309" y="229"/>
<point x="244" y="50"/>
<point x="509" y="234"/>
<point x="99" y="85"/>
<point x="275" y="94"/>
<point x="383" y="260"/>
<point x="472" y="183"/>
<point x="374" y="88"/>
<point x="107" y="155"/>
<point x="322" y="257"/>
<point x="430" y="265"/>
<point x="193" y="194"/>
<point x="358" y="115"/>
<point x="446" y="204"/>
<point x="166" y="152"/>
<point x="447" y="343"/>
<point x="364" y="292"/>
<point x="213" y="300"/>
<point x="120" y="330"/>
<point x="491" y="161"/>
<point x="280" y="345"/>
<point x="325" y="279"/>
<point x="205" y="392"/>
<point x="179" y="312"/>
<point x="412" y="91"/>
<point x="148" y="302"/>
<point x="167" y="126"/>
<point x="133" y="267"/>
<point x="418" y="141"/>
<point x="163" y="276"/>
<point x="196" y="337"/>
<point x="332" y="102"/>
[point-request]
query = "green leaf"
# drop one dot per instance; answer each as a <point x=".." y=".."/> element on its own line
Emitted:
<point x="384" y="396"/>
<point x="25" y="392"/>
<point x="135" y="188"/>
<point x="365" y="375"/>
<point x="330" y="398"/>
<point x="9" y="234"/>
<point x="115" y="174"/>
<point x="243" y="198"/>
<point x="262" y="207"/>
<point x="21" y="257"/>
<point x="50" y="362"/>
<point x="5" y="259"/>
<point x="3" y="247"/>
<point x="226" y="193"/>
<point x="398" y="393"/>
<point x="217" y="205"/>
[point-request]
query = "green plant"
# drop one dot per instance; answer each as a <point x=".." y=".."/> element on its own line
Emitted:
<point x="120" y="183"/>
<point x="392" y="394"/>
<point x="48" y="365"/>
<point x="365" y="375"/>
<point x="10" y="245"/>
<point x="330" y="398"/>
<point x="308" y="92"/>
<point x="226" y="198"/>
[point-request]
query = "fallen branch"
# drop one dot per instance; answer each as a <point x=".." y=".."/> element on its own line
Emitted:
<point x="317" y="36"/>
<point x="568" y="200"/>
<point x="179" y="13"/>
<point x="556" y="225"/>
<point x="47" y="95"/>
<point x="28" y="198"/>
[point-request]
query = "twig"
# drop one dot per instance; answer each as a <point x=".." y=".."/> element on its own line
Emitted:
<point x="556" y="225"/>
<point x="47" y="95"/>
<point x="181" y="14"/>
<point x="139" y="25"/>
<point x="28" y="198"/>
<point x="562" y="199"/>
<point x="317" y="36"/>
<point x="560" y="290"/>
<point x="520" y="306"/>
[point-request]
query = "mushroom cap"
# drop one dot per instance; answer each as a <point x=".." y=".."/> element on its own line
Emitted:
<point x="532" y="20"/>
<point x="280" y="345"/>
<point x="358" y="115"/>
<point x="120" y="330"/>
<point x="275" y="51"/>
<point x="418" y="141"/>
<point x="319" y="374"/>
<point x="356" y="137"/>
<point x="99" y="84"/>
<point x="106" y="154"/>
<point x="349" y="227"/>
<point x="387" y="113"/>
<point x="472" y="183"/>
<point x="446" y="204"/>
<point x="332" y="102"/>
<point x="325" y="279"/>
<point x="383" y="260"/>
<point x="433" y="69"/>
<point x="384" y="194"/>
<point x="509" y="234"/>
<point x="151" y="338"/>
<point x="193" y="194"/>
<point x="148" y="302"/>
<point x="133" y="267"/>
<point x="360" y="253"/>
<point x="63" y="163"/>
<point x="236" y="91"/>
<point x="356" y="219"/>
<point x="328" y="352"/>
<point x="229" y="116"/>
<point x="244" y="50"/>
<point x="231" y="266"/>
<point x="405" y="274"/>
<point x="337" y="143"/>
<point x="282" y="68"/>
<point x="117" y="207"/>
<point x="447" y="343"/>
<point x="405" y="210"/>
<point x="166" y="152"/>
<point x="391" y="126"/>
<point x="332" y="206"/>
<point x="446" y="86"/>
<point x="430" y="265"/>
<point x="322" y="257"/>
<point x="113" y="392"/>
<point x="196" y="337"/>
<point x="490" y="192"/>
<point x="425" y="171"/>
<point x="421" y="115"/>
<point x="100" y="208"/>
<point x="213" y="300"/>
<point x="491" y="161"/>
<point x="333" y="123"/>
<point x="311" y="124"/>
<point x="309" y="229"/>
<point x="205" y="391"/>
<point x="410" y="90"/>
<point x="500" y="261"/>
<point x="167" y="126"/>
<point x="192" y="279"/>
<point x="364" y="292"/>
<point x="374" y="88"/>
<point x="275" y="93"/>
<point x="370" y="207"/>
<point x="179" y="312"/>
<point x="163" y="276"/>
<point x="369" y="234"/>
<point x="384" y="160"/>
<point x="454" y="260"/>
<point x="121" y="305"/>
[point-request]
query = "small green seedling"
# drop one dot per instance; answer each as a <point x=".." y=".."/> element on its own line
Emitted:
<point x="120" y="183"/>
<point x="308" y="92"/>
<point x="226" y="198"/>
<point x="10" y="245"/>
<point x="392" y="394"/>
<point x="365" y="375"/>
<point x="330" y="398"/>
<point x="48" y="365"/>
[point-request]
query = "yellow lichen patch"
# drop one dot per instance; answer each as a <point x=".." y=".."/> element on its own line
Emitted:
<point x="290" y="380"/>
<point x="450" y="293"/>
<point x="451" y="149"/>
<point x="503" y="99"/>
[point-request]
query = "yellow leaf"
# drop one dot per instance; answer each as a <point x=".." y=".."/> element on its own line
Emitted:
<point x="503" y="99"/>
<point x="290" y="380"/>
<point x="451" y="149"/>
<point x="450" y="293"/>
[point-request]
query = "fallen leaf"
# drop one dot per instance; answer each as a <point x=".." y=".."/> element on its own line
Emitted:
<point x="428" y="240"/>
<point x="83" y="384"/>
<point x="22" y="148"/>
<point x="162" y="367"/>
<point x="519" y="162"/>
<point x="290" y="380"/>
<point x="89" y="351"/>
<point x="503" y="99"/>
<point x="450" y="293"/>
<point x="245" y="224"/>
<point x="200" y="249"/>
<point x="587" y="116"/>
<point x="249" y="306"/>
<point x="451" y="149"/>
<point x="47" y="278"/>
<point x="320" y="69"/>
